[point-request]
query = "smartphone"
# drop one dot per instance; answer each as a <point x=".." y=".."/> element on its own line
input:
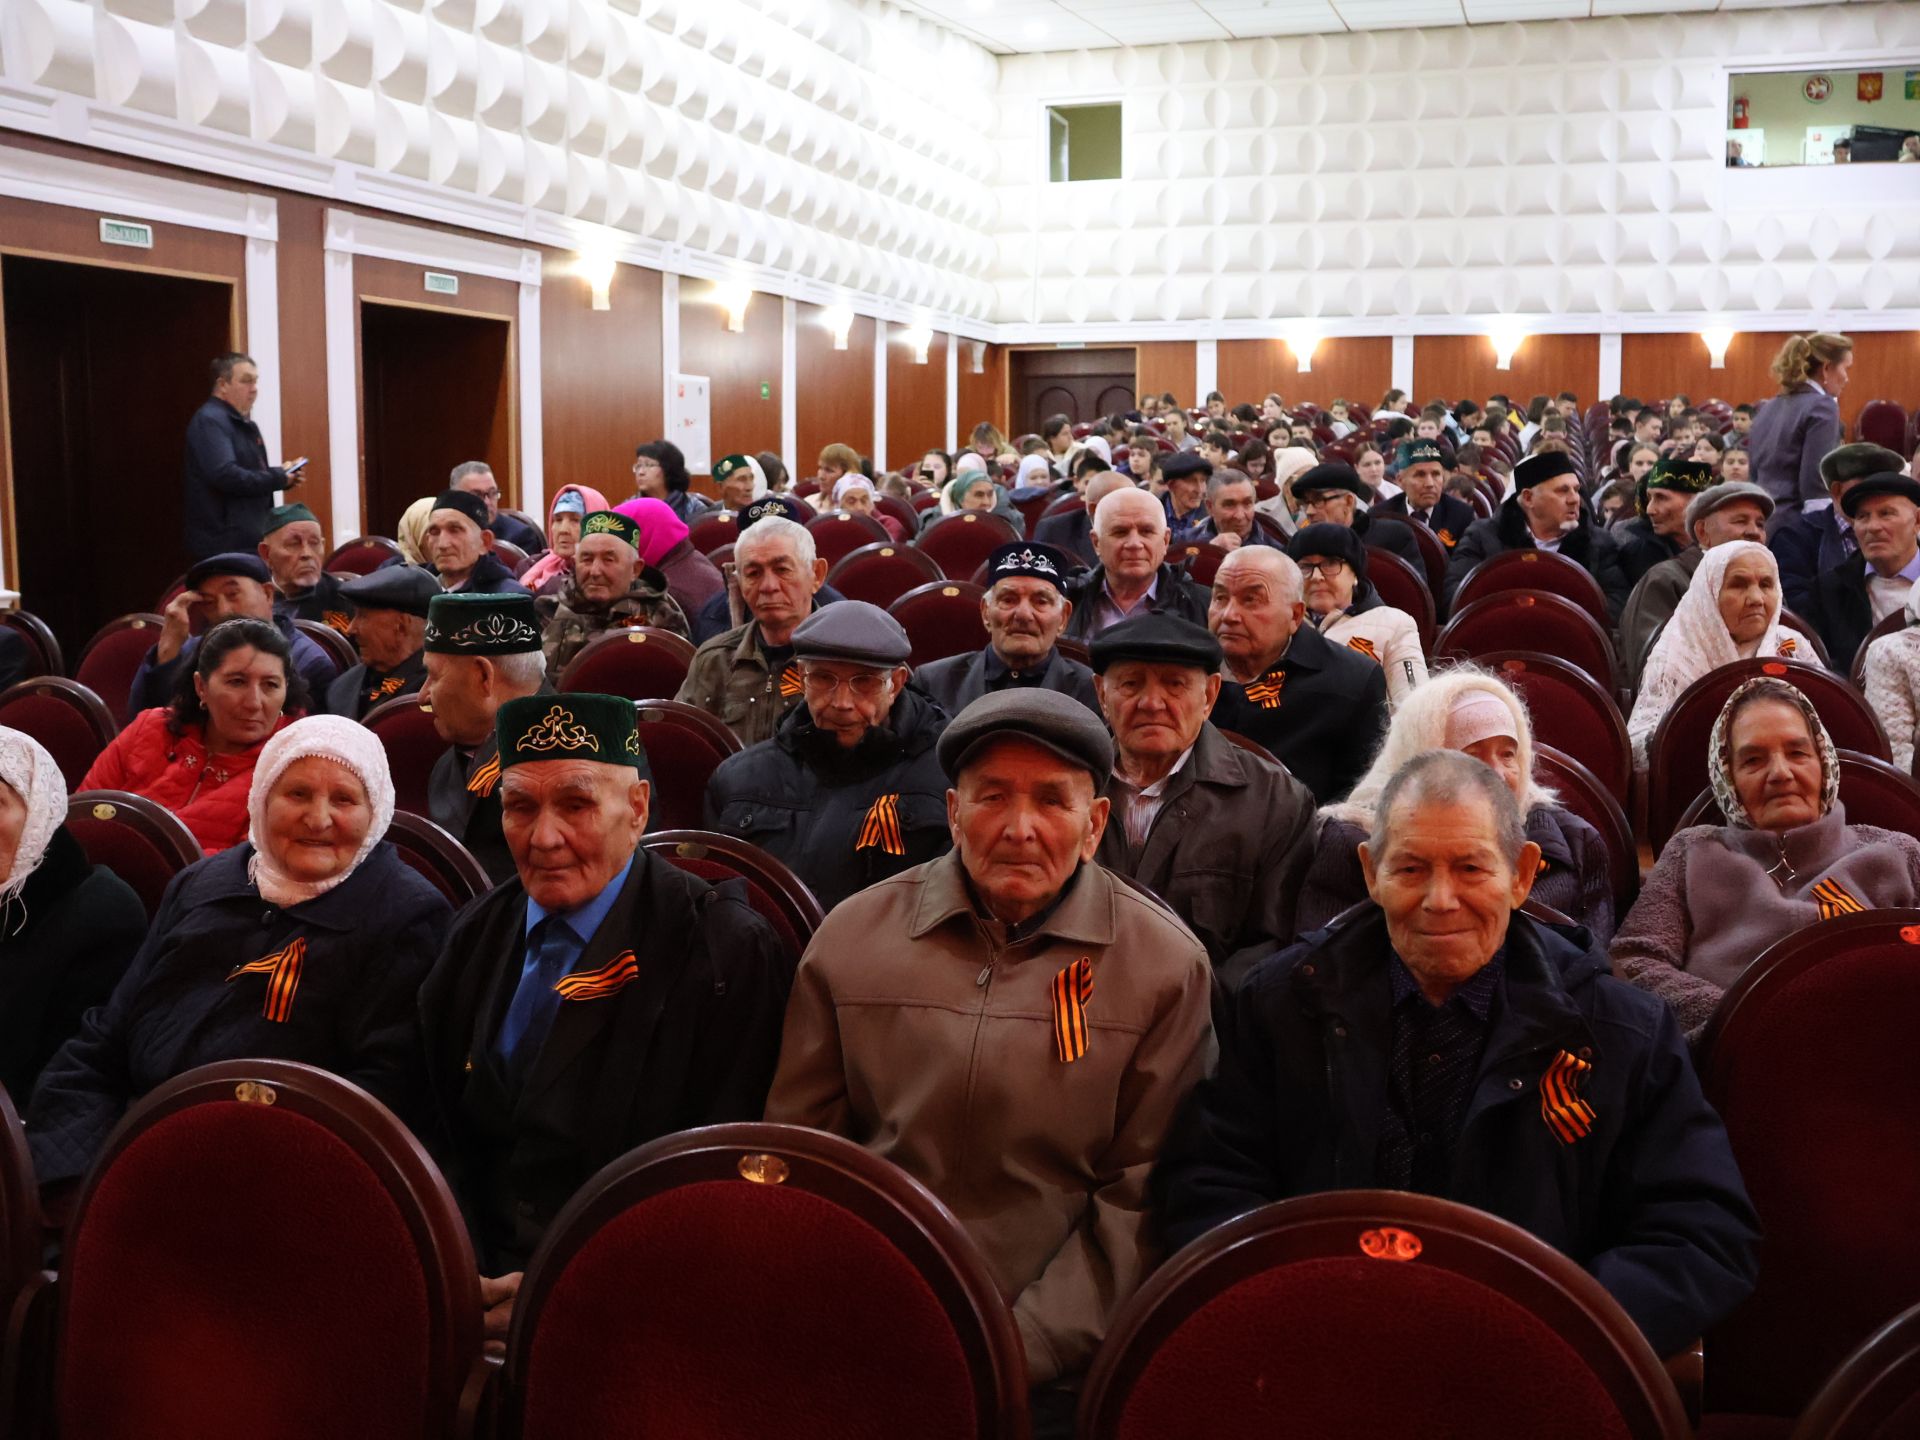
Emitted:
<point x="927" y="474"/>
<point x="294" y="467"/>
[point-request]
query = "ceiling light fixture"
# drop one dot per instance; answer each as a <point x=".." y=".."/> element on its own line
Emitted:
<point x="839" y="320"/>
<point x="1507" y="340"/>
<point x="1718" y="339"/>
<point x="734" y="299"/>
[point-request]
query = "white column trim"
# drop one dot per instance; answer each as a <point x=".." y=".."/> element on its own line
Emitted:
<point x="1206" y="370"/>
<point x="262" y="341"/>
<point x="879" y="395"/>
<point x="789" y="386"/>
<point x="1402" y="377"/>
<point x="533" y="486"/>
<point x="669" y="345"/>
<point x="953" y="392"/>
<point x="1612" y="353"/>
<point x="343" y="394"/>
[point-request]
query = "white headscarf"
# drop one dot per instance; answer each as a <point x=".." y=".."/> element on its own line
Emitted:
<point x="1034" y="470"/>
<point x="1098" y="444"/>
<point x="970" y="461"/>
<point x="848" y="483"/>
<point x="1696" y="640"/>
<point x="36" y="779"/>
<point x="759" y="477"/>
<point x="1288" y="464"/>
<point x="333" y="737"/>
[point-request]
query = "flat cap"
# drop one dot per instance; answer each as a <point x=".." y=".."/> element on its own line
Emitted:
<point x="1045" y="718"/>
<point x="1185" y="465"/>
<point x="234" y="562"/>
<point x="1333" y="475"/>
<point x="1330" y="542"/>
<point x="406" y="588"/>
<point x="1891" y="482"/>
<point x="284" y="515"/>
<point x="1718" y="497"/>
<point x="1856" y="462"/>
<point x="853" y="631"/>
<point x="477" y="624"/>
<point x="471" y="506"/>
<point x="1538" y="469"/>
<point x="1157" y="639"/>
<point x="1413" y="452"/>
<point x="777" y="507"/>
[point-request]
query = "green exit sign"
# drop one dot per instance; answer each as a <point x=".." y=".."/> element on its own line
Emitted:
<point x="440" y="284"/>
<point x="126" y="232"/>
<point x="766" y="389"/>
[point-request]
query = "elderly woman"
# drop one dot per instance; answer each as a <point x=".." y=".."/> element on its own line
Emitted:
<point x="307" y="943"/>
<point x="196" y="756"/>
<point x="571" y="505"/>
<point x="856" y="495"/>
<point x="68" y="927"/>
<point x="660" y="473"/>
<point x="1464" y="708"/>
<point x="1343" y="605"/>
<point x="1785" y="857"/>
<point x="1731" y="611"/>
<point x="1893" y="683"/>
<point x="411" y="533"/>
<point x="692" y="579"/>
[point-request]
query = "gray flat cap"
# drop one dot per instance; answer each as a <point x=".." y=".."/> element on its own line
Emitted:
<point x="853" y="631"/>
<point x="393" y="587"/>
<point x="1716" y="497"/>
<point x="1042" y="717"/>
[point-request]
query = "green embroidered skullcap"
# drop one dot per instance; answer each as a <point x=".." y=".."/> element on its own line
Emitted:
<point x="1414" y="452"/>
<point x="470" y="624"/>
<point x="1689" y="477"/>
<point x="573" y="726"/>
<point x="611" y="522"/>
<point x="283" y="515"/>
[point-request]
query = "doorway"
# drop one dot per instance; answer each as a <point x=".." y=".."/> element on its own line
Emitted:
<point x="1080" y="384"/>
<point x="104" y="369"/>
<point x="436" y="389"/>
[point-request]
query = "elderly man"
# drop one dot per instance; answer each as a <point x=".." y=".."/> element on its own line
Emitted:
<point x="848" y="791"/>
<point x="1720" y="513"/>
<point x="1439" y="1041"/>
<point x="460" y="546"/>
<point x="229" y="485"/>
<point x="1421" y="473"/>
<point x="1818" y="537"/>
<point x="915" y="1028"/>
<point x="1024" y="610"/>
<point x="1231" y="495"/>
<point x="1659" y="532"/>
<point x="1331" y="493"/>
<point x="1224" y="837"/>
<point x="1073" y="531"/>
<point x="727" y="610"/>
<point x="608" y="589"/>
<point x="1318" y="707"/>
<point x="1545" y="512"/>
<point x="597" y="999"/>
<point x="741" y="481"/>
<point x="218" y="588"/>
<point x="1875" y="581"/>
<point x="481" y="651"/>
<point x="1130" y="576"/>
<point x="390" y="626"/>
<point x="475" y="477"/>
<point x="295" y="549"/>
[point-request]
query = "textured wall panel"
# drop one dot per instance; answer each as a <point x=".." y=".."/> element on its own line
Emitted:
<point x="1453" y="367"/>
<point x="1356" y="368"/>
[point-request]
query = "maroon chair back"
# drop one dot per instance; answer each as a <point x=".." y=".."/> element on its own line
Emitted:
<point x="363" y="556"/>
<point x="1808" y="1060"/>
<point x="143" y="843"/>
<point x="1805" y="632"/>
<point x="900" y="510"/>
<point x="684" y="746"/>
<point x="1677" y="753"/>
<point x="1075" y="649"/>
<point x="1857" y="672"/>
<point x="1572" y="712"/>
<point x="941" y="619"/>
<point x="1873" y="791"/>
<point x="1884" y="423"/>
<point x="43" y="648"/>
<point x="511" y="556"/>
<point x="758" y="1280"/>
<point x="63" y="715"/>
<point x="532" y="524"/>
<point x="300" y="1267"/>
<point x="434" y="853"/>
<point x="1198" y="560"/>
<point x="923" y="501"/>
<point x="1252" y="747"/>
<point x="1433" y="554"/>
<point x="1065" y="505"/>
<point x="1875" y="1394"/>
<point x="1535" y="570"/>
<point x="404" y="727"/>
<point x="340" y="650"/>
<point x="1545" y="623"/>
<point x="712" y="530"/>
<point x="21" y="1249"/>
<point x="959" y="543"/>
<point x="1583" y="793"/>
<point x="1375" y="1313"/>
<point x="640" y="662"/>
<point x="1032" y="508"/>
<point x="778" y="896"/>
<point x="112" y="658"/>
<point x="881" y="574"/>
<point x="1404" y="588"/>
<point x="837" y="534"/>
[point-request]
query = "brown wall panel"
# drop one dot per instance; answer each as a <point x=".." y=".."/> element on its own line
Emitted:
<point x="735" y="366"/>
<point x="1886" y="366"/>
<point x="982" y="396"/>
<point x="1164" y="365"/>
<point x="834" y="389"/>
<point x="1357" y="368"/>
<point x="303" y="350"/>
<point x="916" y="399"/>
<point x="600" y="382"/>
<point x="1459" y="367"/>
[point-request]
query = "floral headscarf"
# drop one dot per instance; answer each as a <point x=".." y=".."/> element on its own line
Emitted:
<point x="1720" y="747"/>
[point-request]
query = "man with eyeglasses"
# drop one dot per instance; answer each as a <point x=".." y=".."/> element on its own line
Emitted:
<point x="849" y="790"/>
<point x="476" y="478"/>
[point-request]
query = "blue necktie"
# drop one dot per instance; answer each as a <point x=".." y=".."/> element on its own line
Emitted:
<point x="551" y="951"/>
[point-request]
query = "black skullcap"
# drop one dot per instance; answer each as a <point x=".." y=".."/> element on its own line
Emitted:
<point x="471" y="506"/>
<point x="1538" y="469"/>
<point x="1333" y="475"/>
<point x="1028" y="560"/>
<point x="234" y="562"/>
<point x="777" y="507"/>
<point x="479" y="624"/>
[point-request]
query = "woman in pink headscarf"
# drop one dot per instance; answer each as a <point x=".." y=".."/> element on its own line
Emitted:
<point x="692" y="579"/>
<point x="571" y="504"/>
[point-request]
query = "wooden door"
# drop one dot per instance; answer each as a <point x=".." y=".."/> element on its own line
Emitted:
<point x="1080" y="384"/>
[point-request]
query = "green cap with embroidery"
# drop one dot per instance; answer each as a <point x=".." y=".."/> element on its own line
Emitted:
<point x="571" y="726"/>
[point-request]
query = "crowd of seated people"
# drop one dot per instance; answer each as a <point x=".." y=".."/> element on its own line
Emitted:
<point x="1259" y="800"/>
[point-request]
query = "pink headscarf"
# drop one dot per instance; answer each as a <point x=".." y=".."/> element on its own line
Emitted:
<point x="660" y="528"/>
<point x="549" y="565"/>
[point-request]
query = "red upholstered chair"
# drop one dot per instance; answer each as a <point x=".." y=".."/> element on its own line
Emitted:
<point x="1883" y="422"/>
<point x="941" y="619"/>
<point x="923" y="501"/>
<point x="1571" y="711"/>
<point x="20" y="1221"/>
<point x="960" y="542"/>
<point x="1252" y="747"/>
<point x="1875" y="1394"/>
<point x="1065" y="505"/>
<point x="112" y="658"/>
<point x="1810" y="637"/>
<point x="1535" y="570"/>
<point x="1583" y="793"/>
<point x="363" y="556"/>
<point x="640" y="662"/>
<point x="166" y="596"/>
<point x="684" y="746"/>
<point x="1677" y="753"/>
<point x="1197" y="559"/>
<point x="145" y="844"/>
<point x="63" y="715"/>
<point x="712" y="530"/>
<point x="1074" y="649"/>
<point x="1857" y="670"/>
<point x="262" y="1249"/>
<point x="1404" y="588"/>
<point x="438" y="856"/>
<point x="779" y="896"/>
<point x="900" y="510"/>
<point x="881" y="574"/>
<point x="1375" y="1313"/>
<point x="339" y="648"/>
<point x="1433" y="554"/>
<point x="405" y="730"/>
<point x="804" y="488"/>
<point x="1809" y="1062"/>
<point x="837" y="535"/>
<point x="1531" y="618"/>
<point x="43" y="648"/>
<point x="511" y="556"/>
<point x="1874" y="792"/>
<point x="760" y="1280"/>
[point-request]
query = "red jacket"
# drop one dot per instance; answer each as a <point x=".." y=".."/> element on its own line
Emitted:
<point x="209" y="794"/>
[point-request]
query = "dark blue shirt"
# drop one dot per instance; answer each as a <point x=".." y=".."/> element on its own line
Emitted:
<point x="1432" y="1064"/>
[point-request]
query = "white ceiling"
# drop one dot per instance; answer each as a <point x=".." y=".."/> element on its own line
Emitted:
<point x="1026" y="26"/>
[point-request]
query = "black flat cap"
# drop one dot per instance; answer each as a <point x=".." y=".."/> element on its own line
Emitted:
<point x="1538" y="469"/>
<point x="1330" y="542"/>
<point x="407" y="588"/>
<point x="1889" y="482"/>
<point x="853" y="631"/>
<point x="471" y="506"/>
<point x="1184" y="465"/>
<point x="1158" y="640"/>
<point x="1856" y="462"/>
<point x="1331" y="476"/>
<point x="234" y="562"/>
<point x="1045" y="718"/>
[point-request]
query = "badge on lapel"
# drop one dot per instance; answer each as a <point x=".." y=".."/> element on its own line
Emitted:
<point x="1072" y="988"/>
<point x="1567" y="1115"/>
<point x="283" y="968"/>
<point x="610" y="979"/>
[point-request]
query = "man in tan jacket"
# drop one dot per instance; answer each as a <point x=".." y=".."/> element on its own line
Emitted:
<point x="1013" y="1026"/>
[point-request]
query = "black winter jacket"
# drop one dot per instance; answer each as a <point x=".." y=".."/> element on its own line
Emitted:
<point x="229" y="485"/>
<point x="1590" y="547"/>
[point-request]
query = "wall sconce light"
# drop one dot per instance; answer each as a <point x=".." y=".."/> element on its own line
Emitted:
<point x="921" y="339"/>
<point x="1506" y="344"/>
<point x="839" y="321"/>
<point x="1718" y="340"/>
<point x="1303" y="343"/>
<point x="977" y="357"/>
<point x="734" y="299"/>
<point x="597" y="270"/>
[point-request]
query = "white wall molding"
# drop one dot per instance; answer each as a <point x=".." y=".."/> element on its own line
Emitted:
<point x="533" y="481"/>
<point x="879" y="395"/>
<point x="1206" y="368"/>
<point x="1611" y="361"/>
<point x="343" y="395"/>
<point x="1400" y="374"/>
<point x="370" y="235"/>
<point x="669" y="346"/>
<point x="789" y="382"/>
<point x="953" y="393"/>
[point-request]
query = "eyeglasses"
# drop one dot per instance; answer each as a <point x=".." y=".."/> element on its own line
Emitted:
<point x="866" y="685"/>
<point x="1329" y="568"/>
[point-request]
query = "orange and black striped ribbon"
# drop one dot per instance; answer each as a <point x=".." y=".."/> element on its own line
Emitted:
<point x="1265" y="692"/>
<point x="790" y="683"/>
<point x="1365" y="647"/>
<point x="1567" y="1115"/>
<point x="1788" y="645"/>
<point x="389" y="686"/>
<point x="482" y="781"/>
<point x="610" y="978"/>
<point x="1835" y="899"/>
<point x="283" y="965"/>
<point x="881" y="829"/>
<point x="338" y="621"/>
<point x="1072" y="989"/>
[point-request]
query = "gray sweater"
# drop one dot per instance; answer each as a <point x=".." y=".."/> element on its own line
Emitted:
<point x="1710" y="908"/>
